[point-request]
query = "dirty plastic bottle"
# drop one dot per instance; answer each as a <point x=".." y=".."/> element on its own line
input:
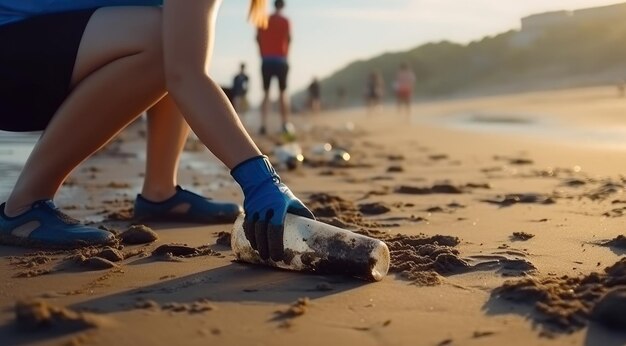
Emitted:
<point x="325" y="152"/>
<point x="318" y="247"/>
<point x="340" y="156"/>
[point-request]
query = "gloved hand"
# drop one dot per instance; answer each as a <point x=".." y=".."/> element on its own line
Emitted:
<point x="266" y="202"/>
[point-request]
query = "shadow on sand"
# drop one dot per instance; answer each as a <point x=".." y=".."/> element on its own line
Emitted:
<point x="231" y="283"/>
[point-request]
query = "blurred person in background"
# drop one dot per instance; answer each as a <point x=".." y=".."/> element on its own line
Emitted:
<point x="274" y="41"/>
<point x="403" y="86"/>
<point x="374" y="91"/>
<point x="315" y="102"/>
<point x="240" y="90"/>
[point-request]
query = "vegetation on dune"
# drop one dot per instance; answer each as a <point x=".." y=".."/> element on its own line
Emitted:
<point x="577" y="54"/>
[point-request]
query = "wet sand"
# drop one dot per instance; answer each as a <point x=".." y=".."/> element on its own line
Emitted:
<point x="504" y="234"/>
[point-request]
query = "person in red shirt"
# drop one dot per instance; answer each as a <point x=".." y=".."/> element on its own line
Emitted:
<point x="403" y="85"/>
<point x="274" y="40"/>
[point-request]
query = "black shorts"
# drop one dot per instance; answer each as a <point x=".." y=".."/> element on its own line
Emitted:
<point x="37" y="58"/>
<point x="276" y="69"/>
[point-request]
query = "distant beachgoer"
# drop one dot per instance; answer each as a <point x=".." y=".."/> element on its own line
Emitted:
<point x="315" y="96"/>
<point x="375" y="89"/>
<point x="240" y="90"/>
<point x="81" y="71"/>
<point x="403" y="86"/>
<point x="621" y="87"/>
<point x="274" y="41"/>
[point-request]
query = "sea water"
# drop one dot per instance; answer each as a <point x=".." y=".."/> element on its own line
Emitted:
<point x="14" y="150"/>
<point x="541" y="127"/>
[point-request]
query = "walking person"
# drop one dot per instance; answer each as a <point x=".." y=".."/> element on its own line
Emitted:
<point x="374" y="91"/>
<point x="83" y="70"/>
<point x="403" y="85"/>
<point x="274" y="41"/>
<point x="315" y="102"/>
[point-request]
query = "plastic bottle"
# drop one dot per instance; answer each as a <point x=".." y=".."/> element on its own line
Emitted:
<point x="326" y="153"/>
<point x="340" y="156"/>
<point x="318" y="247"/>
<point x="289" y="155"/>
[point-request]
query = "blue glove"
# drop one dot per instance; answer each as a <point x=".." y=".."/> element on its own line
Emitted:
<point x="266" y="203"/>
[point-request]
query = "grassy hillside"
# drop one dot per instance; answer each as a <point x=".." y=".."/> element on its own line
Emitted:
<point x="592" y="52"/>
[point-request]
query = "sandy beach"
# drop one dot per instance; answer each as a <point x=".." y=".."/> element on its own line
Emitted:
<point x="503" y="215"/>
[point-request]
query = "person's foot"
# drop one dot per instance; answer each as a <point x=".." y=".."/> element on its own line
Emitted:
<point x="288" y="128"/>
<point x="288" y="132"/>
<point x="44" y="225"/>
<point x="186" y="206"/>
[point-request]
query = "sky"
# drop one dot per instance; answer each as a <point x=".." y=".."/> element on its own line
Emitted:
<point x="329" y="34"/>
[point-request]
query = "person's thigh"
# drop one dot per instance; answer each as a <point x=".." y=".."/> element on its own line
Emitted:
<point x="116" y="32"/>
<point x="266" y="74"/>
<point x="282" y="71"/>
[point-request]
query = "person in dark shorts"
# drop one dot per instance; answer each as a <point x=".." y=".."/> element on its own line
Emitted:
<point x="80" y="71"/>
<point x="274" y="41"/>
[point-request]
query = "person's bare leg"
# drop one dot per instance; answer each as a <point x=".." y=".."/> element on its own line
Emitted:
<point x="167" y="133"/>
<point x="203" y="103"/>
<point x="265" y="109"/>
<point x="284" y="107"/>
<point x="117" y="75"/>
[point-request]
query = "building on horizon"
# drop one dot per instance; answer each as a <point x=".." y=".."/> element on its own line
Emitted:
<point x="535" y="25"/>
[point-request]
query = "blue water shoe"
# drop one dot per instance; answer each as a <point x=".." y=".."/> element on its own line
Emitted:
<point x="186" y="206"/>
<point x="44" y="225"/>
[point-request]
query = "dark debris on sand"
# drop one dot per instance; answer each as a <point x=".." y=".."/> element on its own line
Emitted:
<point x="521" y="236"/>
<point x="521" y="198"/>
<point x="615" y="212"/>
<point x="566" y="304"/>
<point x="435" y="189"/>
<point x="375" y="208"/>
<point x="617" y="242"/>
<point x="604" y="191"/>
<point x="196" y="307"/>
<point x="440" y="188"/>
<point x="343" y="213"/>
<point x="183" y="251"/>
